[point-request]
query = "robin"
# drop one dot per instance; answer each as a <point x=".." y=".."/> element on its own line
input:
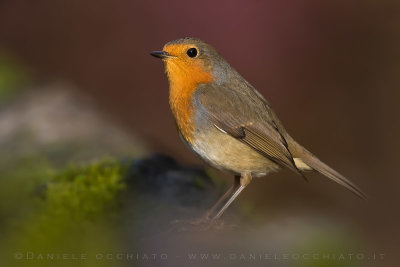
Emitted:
<point x="226" y="121"/>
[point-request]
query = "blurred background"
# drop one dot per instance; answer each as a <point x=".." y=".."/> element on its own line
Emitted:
<point x="83" y="106"/>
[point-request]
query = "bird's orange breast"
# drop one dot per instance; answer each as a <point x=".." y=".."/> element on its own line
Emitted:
<point x="184" y="79"/>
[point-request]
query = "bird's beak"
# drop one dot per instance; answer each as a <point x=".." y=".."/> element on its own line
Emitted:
<point x="160" y="54"/>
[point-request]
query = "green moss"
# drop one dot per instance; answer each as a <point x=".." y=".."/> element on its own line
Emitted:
<point x="72" y="212"/>
<point x="85" y="192"/>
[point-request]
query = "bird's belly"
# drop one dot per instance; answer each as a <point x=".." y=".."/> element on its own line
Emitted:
<point x="225" y="152"/>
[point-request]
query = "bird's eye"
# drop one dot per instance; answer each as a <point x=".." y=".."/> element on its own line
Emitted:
<point x="192" y="52"/>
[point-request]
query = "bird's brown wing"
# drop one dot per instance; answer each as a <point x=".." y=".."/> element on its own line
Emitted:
<point x="246" y="116"/>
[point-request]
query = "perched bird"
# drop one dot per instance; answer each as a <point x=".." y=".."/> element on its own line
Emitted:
<point x="226" y="121"/>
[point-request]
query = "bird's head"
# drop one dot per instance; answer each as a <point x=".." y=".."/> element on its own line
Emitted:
<point x="192" y="61"/>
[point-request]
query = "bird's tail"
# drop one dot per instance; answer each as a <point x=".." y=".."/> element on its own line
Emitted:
<point x="306" y="161"/>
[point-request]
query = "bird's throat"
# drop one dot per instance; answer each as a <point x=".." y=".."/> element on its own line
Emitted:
<point x="183" y="82"/>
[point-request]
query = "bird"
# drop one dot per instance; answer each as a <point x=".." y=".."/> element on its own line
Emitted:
<point x="228" y="123"/>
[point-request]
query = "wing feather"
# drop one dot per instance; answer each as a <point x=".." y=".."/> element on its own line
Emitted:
<point x="247" y="117"/>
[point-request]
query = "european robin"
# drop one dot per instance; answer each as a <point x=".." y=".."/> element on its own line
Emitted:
<point x="226" y="121"/>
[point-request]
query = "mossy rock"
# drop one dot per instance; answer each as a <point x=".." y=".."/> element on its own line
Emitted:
<point x="73" y="211"/>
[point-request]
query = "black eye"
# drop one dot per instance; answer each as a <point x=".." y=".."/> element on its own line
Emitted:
<point x="192" y="52"/>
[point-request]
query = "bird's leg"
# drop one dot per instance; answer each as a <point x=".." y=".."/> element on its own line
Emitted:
<point x="231" y="189"/>
<point x="244" y="181"/>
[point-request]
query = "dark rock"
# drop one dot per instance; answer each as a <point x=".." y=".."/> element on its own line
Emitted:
<point x="163" y="176"/>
